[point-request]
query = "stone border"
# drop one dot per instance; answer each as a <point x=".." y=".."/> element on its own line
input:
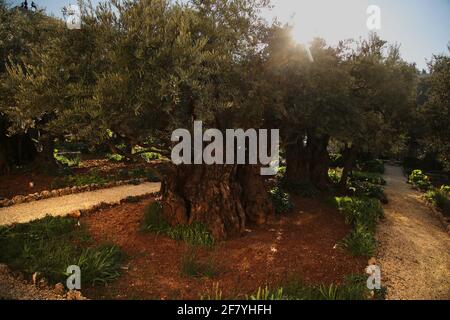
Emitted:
<point x="66" y="191"/>
<point x="109" y="205"/>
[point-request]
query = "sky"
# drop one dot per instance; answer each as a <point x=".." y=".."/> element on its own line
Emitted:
<point x="421" y="27"/>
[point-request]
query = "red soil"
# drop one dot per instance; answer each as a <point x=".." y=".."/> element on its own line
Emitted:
<point x="297" y="245"/>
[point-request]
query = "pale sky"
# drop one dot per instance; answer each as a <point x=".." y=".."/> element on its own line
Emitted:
<point x="421" y="27"/>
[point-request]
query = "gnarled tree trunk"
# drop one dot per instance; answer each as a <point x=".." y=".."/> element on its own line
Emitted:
<point x="308" y="161"/>
<point x="224" y="198"/>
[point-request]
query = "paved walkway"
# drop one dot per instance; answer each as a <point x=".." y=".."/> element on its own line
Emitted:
<point x="414" y="250"/>
<point x="64" y="205"/>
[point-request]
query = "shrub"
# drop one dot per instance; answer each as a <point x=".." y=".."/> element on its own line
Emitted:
<point x="419" y="180"/>
<point x="192" y="266"/>
<point x="439" y="198"/>
<point x="360" y="211"/>
<point x="335" y="175"/>
<point x="114" y="157"/>
<point x="360" y="242"/>
<point x="194" y="234"/>
<point x="281" y="200"/>
<point x="375" y="166"/>
<point x="363" y="214"/>
<point x="371" y="177"/>
<point x="51" y="244"/>
<point x="303" y="189"/>
<point x="149" y="156"/>
<point x="367" y="189"/>
<point x="336" y="160"/>
<point x="67" y="161"/>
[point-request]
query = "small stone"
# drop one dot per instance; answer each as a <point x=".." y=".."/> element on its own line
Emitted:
<point x="18" y="199"/>
<point x="75" y="214"/>
<point x="37" y="276"/>
<point x="55" y="193"/>
<point x="74" y="295"/>
<point x="59" y="289"/>
<point x="45" y="194"/>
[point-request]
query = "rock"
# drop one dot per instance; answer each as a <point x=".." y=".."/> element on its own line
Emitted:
<point x="18" y="199"/>
<point x="75" y="214"/>
<point x="46" y="194"/>
<point x="55" y="193"/>
<point x="59" y="289"/>
<point x="74" y="295"/>
<point x="4" y="202"/>
<point x="37" y="276"/>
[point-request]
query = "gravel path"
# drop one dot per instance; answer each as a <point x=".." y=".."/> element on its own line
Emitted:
<point x="64" y="205"/>
<point x="12" y="288"/>
<point x="414" y="250"/>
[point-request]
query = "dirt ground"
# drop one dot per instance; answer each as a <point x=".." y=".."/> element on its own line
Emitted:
<point x="299" y="245"/>
<point x="18" y="183"/>
<point x="414" y="250"/>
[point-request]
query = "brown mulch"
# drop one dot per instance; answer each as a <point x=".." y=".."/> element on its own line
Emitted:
<point x="18" y="183"/>
<point x="301" y="245"/>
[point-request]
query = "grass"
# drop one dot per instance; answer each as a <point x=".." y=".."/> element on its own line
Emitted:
<point x="94" y="177"/>
<point x="193" y="266"/>
<point x="353" y="288"/>
<point x="363" y="214"/>
<point x="193" y="234"/>
<point x="51" y="244"/>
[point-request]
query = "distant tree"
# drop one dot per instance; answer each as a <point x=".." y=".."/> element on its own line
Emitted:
<point x="434" y="113"/>
<point x="21" y="33"/>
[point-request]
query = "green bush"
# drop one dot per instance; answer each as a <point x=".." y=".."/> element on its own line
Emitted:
<point x="194" y="234"/>
<point x="367" y="189"/>
<point x="440" y="198"/>
<point x="419" y="180"/>
<point x="51" y="244"/>
<point x="371" y="177"/>
<point x="375" y="166"/>
<point x="360" y="242"/>
<point x="114" y="157"/>
<point x="281" y="200"/>
<point x="149" y="156"/>
<point x="70" y="162"/>
<point x="360" y="211"/>
<point x="335" y="176"/>
<point x="363" y="214"/>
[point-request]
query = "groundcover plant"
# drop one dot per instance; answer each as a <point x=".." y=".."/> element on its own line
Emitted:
<point x="224" y="150"/>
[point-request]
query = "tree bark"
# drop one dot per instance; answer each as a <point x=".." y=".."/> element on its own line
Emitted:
<point x="224" y="198"/>
<point x="308" y="162"/>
